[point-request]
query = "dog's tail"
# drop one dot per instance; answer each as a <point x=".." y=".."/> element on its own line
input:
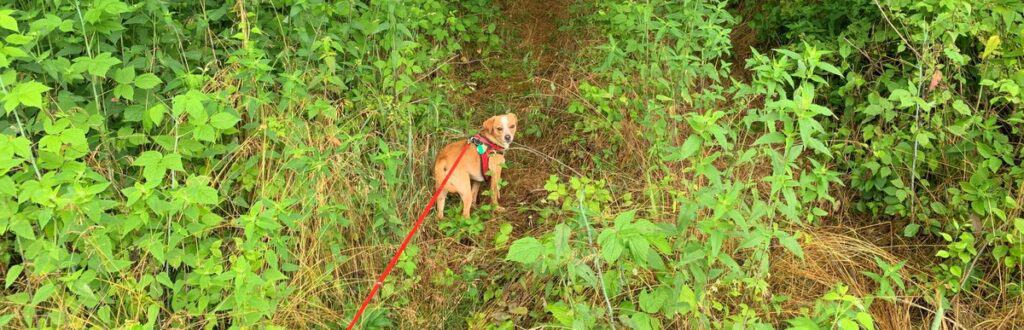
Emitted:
<point x="440" y="170"/>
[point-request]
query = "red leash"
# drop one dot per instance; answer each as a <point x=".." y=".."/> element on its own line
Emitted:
<point x="405" y="242"/>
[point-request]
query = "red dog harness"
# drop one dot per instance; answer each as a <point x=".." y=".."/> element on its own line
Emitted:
<point x="484" y="148"/>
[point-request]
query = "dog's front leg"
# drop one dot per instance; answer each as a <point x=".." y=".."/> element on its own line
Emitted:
<point x="496" y="187"/>
<point x="476" y="191"/>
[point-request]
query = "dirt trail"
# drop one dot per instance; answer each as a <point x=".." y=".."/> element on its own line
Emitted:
<point x="544" y="71"/>
<point x="518" y="78"/>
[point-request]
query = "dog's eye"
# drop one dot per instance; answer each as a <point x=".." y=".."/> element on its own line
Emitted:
<point x="501" y="129"/>
<point x="512" y="127"/>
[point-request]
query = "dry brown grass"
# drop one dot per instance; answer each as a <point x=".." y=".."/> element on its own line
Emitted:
<point x="831" y="257"/>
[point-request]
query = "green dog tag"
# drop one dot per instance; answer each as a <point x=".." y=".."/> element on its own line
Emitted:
<point x="480" y="149"/>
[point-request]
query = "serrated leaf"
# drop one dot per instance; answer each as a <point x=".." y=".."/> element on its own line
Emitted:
<point x="164" y="279"/>
<point x="204" y="133"/>
<point x="99" y="65"/>
<point x="561" y="312"/>
<point x="911" y="230"/>
<point x="156" y="113"/>
<point x="124" y="91"/>
<point x="961" y="107"/>
<point x="147" y="81"/>
<point x="148" y="158"/>
<point x="172" y="161"/>
<point x="525" y="250"/>
<point x="200" y="192"/>
<point x="651" y="302"/>
<point x="188" y="102"/>
<point x="802" y="323"/>
<point x="611" y="247"/>
<point x="124" y="75"/>
<point x="223" y="120"/>
<point x="12" y="275"/>
<point x="22" y="227"/>
<point x="865" y="320"/>
<point x="7" y="21"/>
<point x="830" y="68"/>
<point x="689" y="147"/>
<point x="789" y="242"/>
<point x="771" y="138"/>
<point x="43" y="293"/>
<point x="847" y="324"/>
<point x="29" y="94"/>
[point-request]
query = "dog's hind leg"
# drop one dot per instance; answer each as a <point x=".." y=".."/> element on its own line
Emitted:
<point x="476" y="191"/>
<point x="440" y="204"/>
<point x="467" y="201"/>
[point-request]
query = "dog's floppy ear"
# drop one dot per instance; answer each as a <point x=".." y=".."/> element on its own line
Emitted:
<point x="489" y="124"/>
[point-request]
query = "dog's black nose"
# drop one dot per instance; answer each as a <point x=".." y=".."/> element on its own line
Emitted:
<point x="508" y="138"/>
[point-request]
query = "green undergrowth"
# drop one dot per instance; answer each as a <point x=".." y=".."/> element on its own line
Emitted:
<point x="253" y="164"/>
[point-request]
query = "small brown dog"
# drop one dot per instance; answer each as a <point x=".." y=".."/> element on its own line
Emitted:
<point x="485" y="154"/>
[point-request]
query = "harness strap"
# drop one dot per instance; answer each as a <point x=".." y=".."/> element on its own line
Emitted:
<point x="484" y="148"/>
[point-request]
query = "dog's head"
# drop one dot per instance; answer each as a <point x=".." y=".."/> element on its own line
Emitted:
<point x="501" y="129"/>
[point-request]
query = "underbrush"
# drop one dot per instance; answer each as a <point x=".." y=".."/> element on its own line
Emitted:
<point x="240" y="164"/>
<point x="682" y="164"/>
<point x="740" y="172"/>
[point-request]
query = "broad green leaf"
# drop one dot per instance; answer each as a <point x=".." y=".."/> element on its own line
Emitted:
<point x="172" y="161"/>
<point x="156" y="113"/>
<point x="503" y="234"/>
<point x="611" y="247"/>
<point x="147" y="81"/>
<point x="847" y="324"/>
<point x="687" y="297"/>
<point x="865" y="320"/>
<point x="689" y="147"/>
<point x="6" y="319"/>
<point x="29" y="94"/>
<point x="124" y="91"/>
<point x="12" y="275"/>
<point x="830" y="68"/>
<point x="124" y="75"/>
<point x="148" y="158"/>
<point x="7" y="21"/>
<point x="205" y="132"/>
<point x="803" y="323"/>
<point x="200" y="192"/>
<point x="525" y="250"/>
<point x="43" y="293"/>
<point x="99" y="65"/>
<point x="189" y="102"/>
<point x="961" y="107"/>
<point x="561" y="312"/>
<point x="911" y="230"/>
<point x="153" y="167"/>
<point x="22" y="227"/>
<point x="715" y="240"/>
<point x="789" y="242"/>
<point x="651" y="302"/>
<point x="223" y="120"/>
<point x="164" y="279"/>
<point x="771" y="138"/>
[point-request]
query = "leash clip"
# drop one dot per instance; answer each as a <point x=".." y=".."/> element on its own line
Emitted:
<point x="481" y="147"/>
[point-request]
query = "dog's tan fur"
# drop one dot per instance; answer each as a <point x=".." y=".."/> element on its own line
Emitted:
<point x="466" y="177"/>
